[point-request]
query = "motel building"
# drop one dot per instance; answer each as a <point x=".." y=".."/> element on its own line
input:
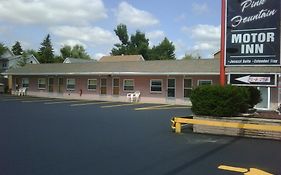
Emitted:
<point x="113" y="77"/>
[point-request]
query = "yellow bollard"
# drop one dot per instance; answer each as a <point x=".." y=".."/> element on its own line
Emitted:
<point x="178" y="127"/>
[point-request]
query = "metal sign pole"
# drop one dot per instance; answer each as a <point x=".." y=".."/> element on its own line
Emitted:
<point x="222" y="54"/>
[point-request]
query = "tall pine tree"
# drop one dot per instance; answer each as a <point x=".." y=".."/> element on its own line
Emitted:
<point x="46" y="52"/>
<point x="139" y="44"/>
<point x="16" y="48"/>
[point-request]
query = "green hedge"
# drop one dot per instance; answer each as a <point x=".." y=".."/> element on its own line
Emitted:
<point x="226" y="100"/>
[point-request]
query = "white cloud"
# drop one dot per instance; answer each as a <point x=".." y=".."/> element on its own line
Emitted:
<point x="155" y="37"/>
<point x="181" y="17"/>
<point x="93" y="35"/>
<point x="73" y="43"/>
<point x="133" y="17"/>
<point x="200" y="8"/>
<point x="203" y="32"/>
<point x="206" y="39"/>
<point x="97" y="56"/>
<point x="52" y="11"/>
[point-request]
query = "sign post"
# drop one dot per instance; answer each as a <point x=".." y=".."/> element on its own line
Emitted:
<point x="222" y="68"/>
<point x="252" y="33"/>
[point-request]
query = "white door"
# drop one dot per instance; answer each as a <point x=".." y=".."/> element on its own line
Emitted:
<point x="265" y="96"/>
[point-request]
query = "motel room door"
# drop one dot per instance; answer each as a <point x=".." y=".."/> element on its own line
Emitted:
<point x="103" y="86"/>
<point x="171" y="88"/>
<point x="60" y="85"/>
<point x="265" y="95"/>
<point x="115" y="86"/>
<point x="50" y="84"/>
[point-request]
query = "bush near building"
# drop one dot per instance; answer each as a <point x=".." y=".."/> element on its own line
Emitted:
<point x="224" y="101"/>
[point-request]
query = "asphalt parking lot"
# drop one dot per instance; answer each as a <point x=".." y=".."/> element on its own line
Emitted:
<point x="41" y="136"/>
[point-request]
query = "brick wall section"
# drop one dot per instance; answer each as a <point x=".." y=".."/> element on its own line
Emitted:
<point x="239" y="132"/>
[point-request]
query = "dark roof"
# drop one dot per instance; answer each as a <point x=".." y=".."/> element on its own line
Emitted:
<point x="171" y="67"/>
<point x="178" y="67"/>
<point x="123" y="58"/>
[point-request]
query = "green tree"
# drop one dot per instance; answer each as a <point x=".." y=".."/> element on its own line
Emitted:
<point x="77" y="51"/>
<point x="3" y="48"/>
<point x="191" y="56"/>
<point x="123" y="47"/>
<point x="122" y="33"/>
<point x="65" y="51"/>
<point x="46" y="52"/>
<point x="59" y="59"/>
<point x="23" y="60"/>
<point x="32" y="52"/>
<point x="17" y="49"/>
<point x="164" y="51"/>
<point x="137" y="44"/>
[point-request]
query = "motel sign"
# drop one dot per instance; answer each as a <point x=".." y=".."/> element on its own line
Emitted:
<point x="252" y="33"/>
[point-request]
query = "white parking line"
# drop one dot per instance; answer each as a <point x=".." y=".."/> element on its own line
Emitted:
<point x="58" y="102"/>
<point x="152" y="107"/>
<point x="33" y="101"/>
<point x="91" y="103"/>
<point x="13" y="99"/>
<point x="119" y="105"/>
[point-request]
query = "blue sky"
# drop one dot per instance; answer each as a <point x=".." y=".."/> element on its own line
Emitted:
<point x="193" y="26"/>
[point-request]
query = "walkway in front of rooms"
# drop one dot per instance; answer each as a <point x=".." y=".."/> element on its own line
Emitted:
<point x="80" y="103"/>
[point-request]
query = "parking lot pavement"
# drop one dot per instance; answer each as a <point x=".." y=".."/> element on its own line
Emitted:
<point x="60" y="139"/>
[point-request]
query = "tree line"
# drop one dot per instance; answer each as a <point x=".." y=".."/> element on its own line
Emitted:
<point x="45" y="53"/>
<point x="135" y="44"/>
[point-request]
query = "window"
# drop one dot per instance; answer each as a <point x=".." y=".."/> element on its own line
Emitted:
<point x="70" y="84"/>
<point x="41" y="83"/>
<point x="204" y="82"/>
<point x="4" y="65"/>
<point x="25" y="82"/>
<point x="187" y="88"/>
<point x="129" y="85"/>
<point x="92" y="84"/>
<point x="155" y="85"/>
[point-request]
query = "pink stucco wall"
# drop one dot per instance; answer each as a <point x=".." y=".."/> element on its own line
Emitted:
<point x="142" y="84"/>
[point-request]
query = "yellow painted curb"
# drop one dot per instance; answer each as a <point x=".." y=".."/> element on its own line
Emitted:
<point x="229" y="124"/>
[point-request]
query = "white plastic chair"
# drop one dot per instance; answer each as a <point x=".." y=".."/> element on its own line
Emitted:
<point x="130" y="97"/>
<point x="22" y="91"/>
<point x="134" y="96"/>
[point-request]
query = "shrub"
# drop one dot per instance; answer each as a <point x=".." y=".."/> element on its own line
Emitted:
<point x="255" y="96"/>
<point x="219" y="101"/>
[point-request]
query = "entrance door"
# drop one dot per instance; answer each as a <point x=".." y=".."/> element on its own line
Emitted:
<point x="51" y="84"/>
<point x="171" y="88"/>
<point x="116" y="86"/>
<point x="264" y="104"/>
<point x="60" y="85"/>
<point x="103" y="86"/>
